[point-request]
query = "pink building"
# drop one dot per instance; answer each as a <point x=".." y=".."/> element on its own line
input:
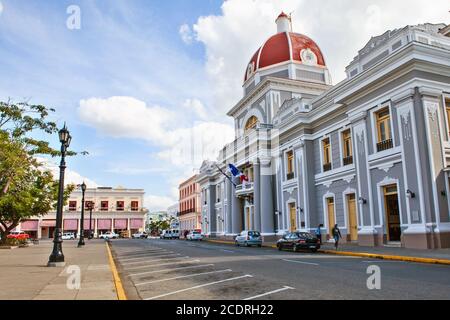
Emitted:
<point x="115" y="209"/>
<point x="189" y="205"/>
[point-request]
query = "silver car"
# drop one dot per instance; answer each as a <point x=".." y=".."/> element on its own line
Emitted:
<point x="249" y="238"/>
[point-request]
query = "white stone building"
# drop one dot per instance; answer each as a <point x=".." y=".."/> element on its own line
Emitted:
<point x="371" y="153"/>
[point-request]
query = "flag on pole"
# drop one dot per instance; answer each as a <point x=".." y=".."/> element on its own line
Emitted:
<point x="237" y="173"/>
<point x="228" y="177"/>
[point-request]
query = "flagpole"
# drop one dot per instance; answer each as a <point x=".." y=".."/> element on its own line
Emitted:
<point x="229" y="178"/>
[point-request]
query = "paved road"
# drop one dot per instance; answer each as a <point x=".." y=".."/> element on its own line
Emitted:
<point x="181" y="270"/>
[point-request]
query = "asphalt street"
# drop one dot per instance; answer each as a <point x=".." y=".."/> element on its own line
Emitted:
<point x="154" y="269"/>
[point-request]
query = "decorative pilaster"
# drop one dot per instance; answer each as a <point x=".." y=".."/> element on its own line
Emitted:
<point x="367" y="235"/>
<point x="236" y="210"/>
<point x="257" y="194"/>
<point x="230" y="195"/>
<point x="267" y="209"/>
<point x="212" y="218"/>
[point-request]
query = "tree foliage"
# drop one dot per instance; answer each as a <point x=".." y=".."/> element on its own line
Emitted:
<point x="26" y="189"/>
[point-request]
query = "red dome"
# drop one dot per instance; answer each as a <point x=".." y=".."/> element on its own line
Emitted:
<point x="282" y="47"/>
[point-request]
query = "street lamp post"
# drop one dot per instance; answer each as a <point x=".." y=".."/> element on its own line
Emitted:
<point x="56" y="258"/>
<point x="90" y="207"/>
<point x="81" y="241"/>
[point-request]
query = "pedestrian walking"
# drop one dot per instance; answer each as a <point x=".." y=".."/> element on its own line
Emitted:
<point x="336" y="235"/>
<point x="319" y="233"/>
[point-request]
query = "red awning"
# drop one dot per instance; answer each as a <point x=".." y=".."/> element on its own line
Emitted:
<point x="48" y="223"/>
<point x="70" y="224"/>
<point x="120" y="223"/>
<point x="29" y="225"/>
<point x="136" y="223"/>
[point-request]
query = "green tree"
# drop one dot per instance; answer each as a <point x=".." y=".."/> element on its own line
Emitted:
<point x="26" y="189"/>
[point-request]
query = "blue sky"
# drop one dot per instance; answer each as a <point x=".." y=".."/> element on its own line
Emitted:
<point x="143" y="79"/>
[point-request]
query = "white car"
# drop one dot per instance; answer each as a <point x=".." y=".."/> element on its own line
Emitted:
<point x="109" y="235"/>
<point x="68" y="236"/>
<point x="140" y="235"/>
<point x="194" y="235"/>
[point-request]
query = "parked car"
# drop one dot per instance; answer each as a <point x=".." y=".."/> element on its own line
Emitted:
<point x="194" y="235"/>
<point x="68" y="236"/>
<point x="299" y="240"/>
<point x="171" y="234"/>
<point x="140" y="235"/>
<point x="175" y="234"/>
<point x="249" y="238"/>
<point x="18" y="235"/>
<point x="109" y="235"/>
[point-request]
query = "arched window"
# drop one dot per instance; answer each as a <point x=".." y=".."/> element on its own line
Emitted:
<point x="251" y="123"/>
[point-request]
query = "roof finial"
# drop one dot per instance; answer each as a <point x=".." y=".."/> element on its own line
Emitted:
<point x="283" y="23"/>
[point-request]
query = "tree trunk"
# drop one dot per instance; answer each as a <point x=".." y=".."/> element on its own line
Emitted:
<point x="5" y="231"/>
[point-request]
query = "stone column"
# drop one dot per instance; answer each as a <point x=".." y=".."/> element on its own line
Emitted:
<point x="230" y="196"/>
<point x="236" y="210"/>
<point x="212" y="219"/>
<point x="266" y="199"/>
<point x="257" y="194"/>
<point x="367" y="235"/>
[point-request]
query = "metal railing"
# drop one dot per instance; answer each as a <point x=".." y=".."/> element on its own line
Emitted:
<point x="347" y="160"/>
<point x="385" y="145"/>
<point x="290" y="176"/>
<point x="244" y="187"/>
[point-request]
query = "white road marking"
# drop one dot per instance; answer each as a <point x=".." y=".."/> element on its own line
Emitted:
<point x="149" y="257"/>
<point x="162" y="264"/>
<point x="302" y="262"/>
<point x="182" y="277"/>
<point x="152" y="260"/>
<point x="227" y="250"/>
<point x="270" y="292"/>
<point x="173" y="269"/>
<point x="199" y="286"/>
<point x="131" y="253"/>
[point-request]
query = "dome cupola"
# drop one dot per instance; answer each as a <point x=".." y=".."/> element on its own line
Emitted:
<point x="290" y="49"/>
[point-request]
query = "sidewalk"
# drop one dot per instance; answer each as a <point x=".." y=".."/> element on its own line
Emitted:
<point x="439" y="256"/>
<point x="25" y="276"/>
<point x="443" y="254"/>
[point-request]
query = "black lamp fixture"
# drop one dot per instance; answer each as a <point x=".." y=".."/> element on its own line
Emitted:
<point x="410" y="194"/>
<point x="56" y="258"/>
<point x="300" y="209"/>
<point x="361" y="200"/>
<point x="81" y="241"/>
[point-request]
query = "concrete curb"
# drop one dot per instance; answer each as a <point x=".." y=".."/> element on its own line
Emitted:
<point x="388" y="257"/>
<point x="364" y="255"/>
<point x="117" y="282"/>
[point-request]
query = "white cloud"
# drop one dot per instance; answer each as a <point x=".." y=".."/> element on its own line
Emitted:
<point x="196" y="106"/>
<point x="1" y="7"/>
<point x="70" y="176"/>
<point x="341" y="28"/>
<point x="183" y="146"/>
<point x="158" y="203"/>
<point x="186" y="34"/>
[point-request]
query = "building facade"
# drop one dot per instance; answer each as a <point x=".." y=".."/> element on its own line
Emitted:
<point x="189" y="213"/>
<point x="114" y="209"/>
<point x="371" y="154"/>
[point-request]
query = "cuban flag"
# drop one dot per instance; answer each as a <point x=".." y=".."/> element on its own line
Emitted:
<point x="237" y="173"/>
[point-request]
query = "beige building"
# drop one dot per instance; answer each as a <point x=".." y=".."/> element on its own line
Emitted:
<point x="189" y="205"/>
<point x="115" y="209"/>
